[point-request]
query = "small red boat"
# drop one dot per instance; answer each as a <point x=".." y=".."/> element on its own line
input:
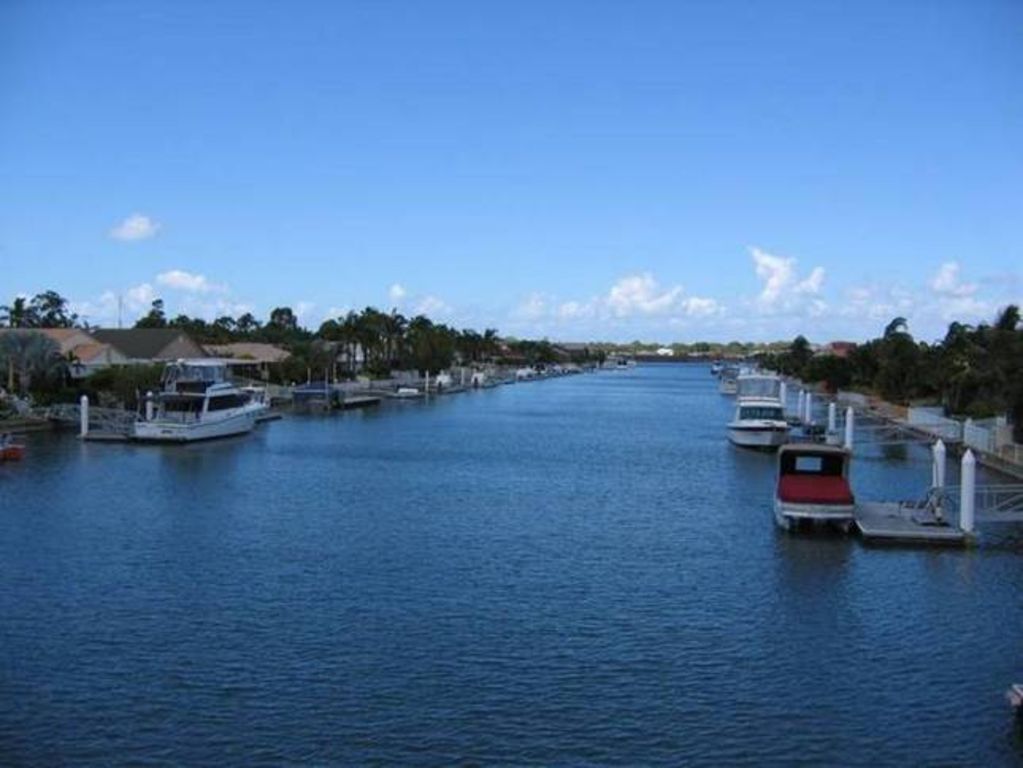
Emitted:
<point x="12" y="452"/>
<point x="813" y="486"/>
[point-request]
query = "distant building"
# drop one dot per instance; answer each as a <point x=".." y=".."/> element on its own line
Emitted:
<point x="665" y="352"/>
<point x="837" y="348"/>
<point x="84" y="353"/>
<point x="249" y="357"/>
<point x="88" y="351"/>
<point x="149" y="345"/>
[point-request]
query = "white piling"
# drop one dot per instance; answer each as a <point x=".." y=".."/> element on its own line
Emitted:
<point x="832" y="418"/>
<point x="940" y="456"/>
<point x="967" y="492"/>
<point x="83" y="416"/>
<point x="783" y="395"/>
<point x="849" y="427"/>
<point x="809" y="409"/>
<point x="801" y="405"/>
<point x="149" y="406"/>
<point x="426" y="389"/>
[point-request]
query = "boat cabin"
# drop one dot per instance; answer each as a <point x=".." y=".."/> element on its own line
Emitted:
<point x="814" y="474"/>
<point x="194" y="376"/>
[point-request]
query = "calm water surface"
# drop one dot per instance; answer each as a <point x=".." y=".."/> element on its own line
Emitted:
<point x="575" y="571"/>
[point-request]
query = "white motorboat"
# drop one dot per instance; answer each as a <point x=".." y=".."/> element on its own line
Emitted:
<point x="813" y="486"/>
<point x="197" y="402"/>
<point x="407" y="393"/>
<point x="758" y="423"/>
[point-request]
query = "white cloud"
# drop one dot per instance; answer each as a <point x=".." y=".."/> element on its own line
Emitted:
<point x="782" y="289"/>
<point x="947" y="283"/>
<point x="397" y="293"/>
<point x="432" y="306"/>
<point x="630" y="302"/>
<point x="186" y="281"/>
<point x="640" y="294"/>
<point x="533" y="307"/>
<point x="334" y="312"/>
<point x="138" y="226"/>
<point x="696" y="306"/>
<point x="139" y="297"/>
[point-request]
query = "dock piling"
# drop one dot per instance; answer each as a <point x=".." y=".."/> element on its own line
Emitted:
<point x="809" y="409"/>
<point x="967" y="492"/>
<point x="850" y="417"/>
<point x="83" y="416"/>
<point x="832" y="418"/>
<point x="783" y="395"/>
<point x="149" y="405"/>
<point x="801" y="405"/>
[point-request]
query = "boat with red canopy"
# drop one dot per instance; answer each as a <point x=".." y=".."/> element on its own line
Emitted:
<point x="813" y="486"/>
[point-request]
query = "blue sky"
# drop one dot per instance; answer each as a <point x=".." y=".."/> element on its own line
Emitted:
<point x="579" y="170"/>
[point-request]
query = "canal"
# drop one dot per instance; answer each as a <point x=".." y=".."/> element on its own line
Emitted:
<point x="574" y="571"/>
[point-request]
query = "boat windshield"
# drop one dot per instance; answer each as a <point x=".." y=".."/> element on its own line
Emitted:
<point x="829" y="465"/>
<point x="190" y="377"/>
<point x="763" y="412"/>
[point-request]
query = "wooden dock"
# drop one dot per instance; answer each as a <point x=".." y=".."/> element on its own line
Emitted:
<point x="892" y="522"/>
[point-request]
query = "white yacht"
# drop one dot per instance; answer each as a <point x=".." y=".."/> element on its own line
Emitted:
<point x="197" y="402"/>
<point x="758" y="423"/>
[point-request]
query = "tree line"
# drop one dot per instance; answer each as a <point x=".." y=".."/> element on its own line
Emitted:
<point x="370" y="341"/>
<point x="975" y="370"/>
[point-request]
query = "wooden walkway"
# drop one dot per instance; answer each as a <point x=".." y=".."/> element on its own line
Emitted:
<point x="890" y="522"/>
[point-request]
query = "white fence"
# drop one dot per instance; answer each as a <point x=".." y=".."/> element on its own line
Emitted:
<point x="933" y="421"/>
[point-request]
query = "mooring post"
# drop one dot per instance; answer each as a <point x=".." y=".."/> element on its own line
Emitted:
<point x="849" y="426"/>
<point x="801" y="405"/>
<point x="783" y="395"/>
<point x="809" y="409"/>
<point x="938" y="478"/>
<point x="83" y="416"/>
<point x="832" y="418"/>
<point x="967" y="492"/>
<point x="149" y="406"/>
<point x="426" y="388"/>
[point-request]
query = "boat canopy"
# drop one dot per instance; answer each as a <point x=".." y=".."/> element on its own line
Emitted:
<point x="759" y="385"/>
<point x="193" y="374"/>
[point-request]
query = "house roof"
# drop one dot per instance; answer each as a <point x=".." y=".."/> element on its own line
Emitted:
<point x="87" y="353"/>
<point x="248" y="352"/>
<point x="141" y="343"/>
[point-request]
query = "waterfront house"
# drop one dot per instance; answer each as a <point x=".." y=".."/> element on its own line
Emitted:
<point x="84" y="353"/>
<point x="249" y="358"/>
<point x="149" y="345"/>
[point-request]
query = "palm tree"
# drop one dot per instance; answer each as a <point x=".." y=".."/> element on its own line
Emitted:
<point x="17" y="314"/>
<point x="30" y="355"/>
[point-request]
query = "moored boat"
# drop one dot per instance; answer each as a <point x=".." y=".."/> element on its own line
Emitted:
<point x="12" y="452"/>
<point x="813" y="486"/>
<point x="197" y="402"/>
<point x="758" y="423"/>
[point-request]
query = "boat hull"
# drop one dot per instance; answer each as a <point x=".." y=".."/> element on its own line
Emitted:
<point x="789" y="515"/>
<point x="12" y="453"/>
<point x="758" y="438"/>
<point x="171" y="432"/>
